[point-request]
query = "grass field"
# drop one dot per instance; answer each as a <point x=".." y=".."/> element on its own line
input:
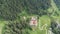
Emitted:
<point x="1" y="26"/>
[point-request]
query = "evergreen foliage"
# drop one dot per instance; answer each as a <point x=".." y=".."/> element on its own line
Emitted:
<point x="9" y="9"/>
<point x="17" y="28"/>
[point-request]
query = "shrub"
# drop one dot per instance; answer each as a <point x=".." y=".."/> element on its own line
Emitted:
<point x="16" y="28"/>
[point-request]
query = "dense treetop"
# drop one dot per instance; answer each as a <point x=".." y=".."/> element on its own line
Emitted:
<point x="9" y="9"/>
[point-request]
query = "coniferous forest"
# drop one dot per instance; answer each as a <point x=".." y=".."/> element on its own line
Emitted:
<point x="29" y="16"/>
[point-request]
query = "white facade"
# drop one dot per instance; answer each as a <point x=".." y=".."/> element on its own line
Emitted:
<point x="33" y="21"/>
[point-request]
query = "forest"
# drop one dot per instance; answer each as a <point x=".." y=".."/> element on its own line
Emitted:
<point x="17" y="16"/>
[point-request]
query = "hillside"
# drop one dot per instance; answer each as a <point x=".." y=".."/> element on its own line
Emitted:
<point x="16" y="16"/>
<point x="57" y="2"/>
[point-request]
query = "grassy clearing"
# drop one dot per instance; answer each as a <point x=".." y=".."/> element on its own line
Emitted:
<point x="2" y="24"/>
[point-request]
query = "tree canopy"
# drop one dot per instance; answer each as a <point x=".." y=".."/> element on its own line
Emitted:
<point x="9" y="9"/>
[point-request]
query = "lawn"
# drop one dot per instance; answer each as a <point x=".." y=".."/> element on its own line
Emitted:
<point x="2" y="24"/>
